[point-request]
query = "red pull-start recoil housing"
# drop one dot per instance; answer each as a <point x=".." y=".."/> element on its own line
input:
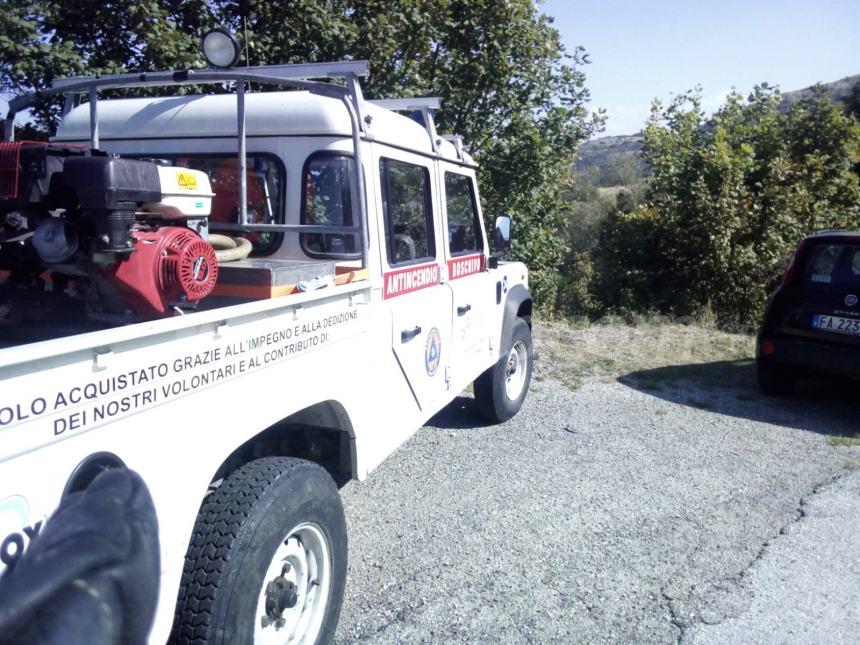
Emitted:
<point x="169" y="266"/>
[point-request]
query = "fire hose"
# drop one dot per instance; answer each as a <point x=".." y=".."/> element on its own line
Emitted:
<point x="229" y="249"/>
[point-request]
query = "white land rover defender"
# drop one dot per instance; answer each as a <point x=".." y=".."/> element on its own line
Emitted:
<point x="250" y="299"/>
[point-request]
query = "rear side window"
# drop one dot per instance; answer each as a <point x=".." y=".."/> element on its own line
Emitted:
<point x="836" y="264"/>
<point x="408" y="213"/>
<point x="463" y="227"/>
<point x="327" y="201"/>
<point x="265" y="179"/>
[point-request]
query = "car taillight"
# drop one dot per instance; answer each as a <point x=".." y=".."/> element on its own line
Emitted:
<point x="767" y="347"/>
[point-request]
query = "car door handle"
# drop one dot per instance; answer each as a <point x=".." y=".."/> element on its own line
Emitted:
<point x="462" y="311"/>
<point x="408" y="334"/>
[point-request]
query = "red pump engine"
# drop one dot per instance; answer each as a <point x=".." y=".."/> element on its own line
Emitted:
<point x="169" y="266"/>
<point x="122" y="230"/>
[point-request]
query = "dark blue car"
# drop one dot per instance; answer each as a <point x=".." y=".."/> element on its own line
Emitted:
<point x="812" y="322"/>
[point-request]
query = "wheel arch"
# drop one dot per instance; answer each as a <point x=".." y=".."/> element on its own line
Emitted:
<point x="518" y="304"/>
<point x="322" y="433"/>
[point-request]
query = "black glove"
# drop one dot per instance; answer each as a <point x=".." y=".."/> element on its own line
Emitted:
<point x="91" y="575"/>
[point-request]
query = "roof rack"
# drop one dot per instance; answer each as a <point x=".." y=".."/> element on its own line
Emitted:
<point x="299" y="75"/>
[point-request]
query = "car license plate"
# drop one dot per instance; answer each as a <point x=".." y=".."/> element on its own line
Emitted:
<point x="837" y="324"/>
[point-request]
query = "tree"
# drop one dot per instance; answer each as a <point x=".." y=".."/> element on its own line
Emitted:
<point x="507" y="83"/>
<point x="728" y="201"/>
<point x="47" y="39"/>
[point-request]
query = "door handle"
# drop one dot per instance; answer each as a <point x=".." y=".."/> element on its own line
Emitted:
<point x="462" y="311"/>
<point x="409" y="334"/>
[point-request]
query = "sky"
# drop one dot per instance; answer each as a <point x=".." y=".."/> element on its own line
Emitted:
<point x="645" y="50"/>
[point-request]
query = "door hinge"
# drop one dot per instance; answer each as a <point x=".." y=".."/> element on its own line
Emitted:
<point x="448" y="376"/>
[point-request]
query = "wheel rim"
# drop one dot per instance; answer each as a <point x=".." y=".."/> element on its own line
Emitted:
<point x="300" y="566"/>
<point x="516" y="370"/>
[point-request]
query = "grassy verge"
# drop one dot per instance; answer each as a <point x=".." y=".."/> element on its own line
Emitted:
<point x="654" y="353"/>
<point x="844" y="441"/>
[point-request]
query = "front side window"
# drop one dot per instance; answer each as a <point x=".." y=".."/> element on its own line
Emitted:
<point x="265" y="179"/>
<point x="327" y="201"/>
<point x="463" y="224"/>
<point x="408" y="213"/>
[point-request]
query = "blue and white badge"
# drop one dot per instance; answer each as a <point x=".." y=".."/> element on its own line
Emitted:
<point x="432" y="351"/>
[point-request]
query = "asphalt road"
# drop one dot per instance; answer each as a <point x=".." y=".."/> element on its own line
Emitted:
<point x="630" y="511"/>
<point x="804" y="589"/>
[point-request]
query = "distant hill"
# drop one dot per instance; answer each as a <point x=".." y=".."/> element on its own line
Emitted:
<point x="601" y="157"/>
<point x="604" y="150"/>
<point x="842" y="91"/>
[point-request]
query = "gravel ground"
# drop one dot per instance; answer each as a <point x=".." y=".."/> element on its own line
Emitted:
<point x="619" y="512"/>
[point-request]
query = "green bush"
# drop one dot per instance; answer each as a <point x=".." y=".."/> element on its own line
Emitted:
<point x="728" y="201"/>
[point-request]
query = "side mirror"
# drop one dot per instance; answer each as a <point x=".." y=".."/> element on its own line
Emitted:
<point x="502" y="236"/>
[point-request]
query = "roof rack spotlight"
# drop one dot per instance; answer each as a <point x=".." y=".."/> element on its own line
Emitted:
<point x="221" y="48"/>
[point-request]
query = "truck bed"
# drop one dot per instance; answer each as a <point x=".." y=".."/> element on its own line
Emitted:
<point x="248" y="281"/>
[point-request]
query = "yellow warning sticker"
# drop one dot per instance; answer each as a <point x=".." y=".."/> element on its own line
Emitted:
<point x="186" y="180"/>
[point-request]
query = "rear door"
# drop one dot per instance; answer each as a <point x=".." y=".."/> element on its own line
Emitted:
<point x="411" y="247"/>
<point x="823" y="299"/>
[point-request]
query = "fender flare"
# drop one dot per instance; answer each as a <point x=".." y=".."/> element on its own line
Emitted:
<point x="518" y="296"/>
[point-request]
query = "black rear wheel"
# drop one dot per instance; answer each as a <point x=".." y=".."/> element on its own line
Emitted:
<point x="775" y="379"/>
<point x="267" y="560"/>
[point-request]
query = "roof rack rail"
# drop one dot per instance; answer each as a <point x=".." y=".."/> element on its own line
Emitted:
<point x="300" y="71"/>
<point x="409" y="104"/>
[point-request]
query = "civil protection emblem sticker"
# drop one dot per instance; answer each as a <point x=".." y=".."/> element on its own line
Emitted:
<point x="432" y="351"/>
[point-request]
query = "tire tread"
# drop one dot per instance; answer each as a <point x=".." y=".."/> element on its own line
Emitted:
<point x="218" y="524"/>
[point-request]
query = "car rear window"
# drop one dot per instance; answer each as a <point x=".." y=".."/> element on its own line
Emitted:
<point x="837" y="264"/>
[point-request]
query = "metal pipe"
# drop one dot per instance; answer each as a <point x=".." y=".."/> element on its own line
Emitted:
<point x="357" y="184"/>
<point x="160" y="79"/>
<point x="300" y="71"/>
<point x="285" y="228"/>
<point x="69" y="103"/>
<point x="94" y="117"/>
<point x="243" y="161"/>
<point x="357" y="100"/>
<point x="430" y="126"/>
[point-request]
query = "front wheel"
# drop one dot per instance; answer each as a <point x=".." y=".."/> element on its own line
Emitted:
<point x="501" y="390"/>
<point x="267" y="560"/>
